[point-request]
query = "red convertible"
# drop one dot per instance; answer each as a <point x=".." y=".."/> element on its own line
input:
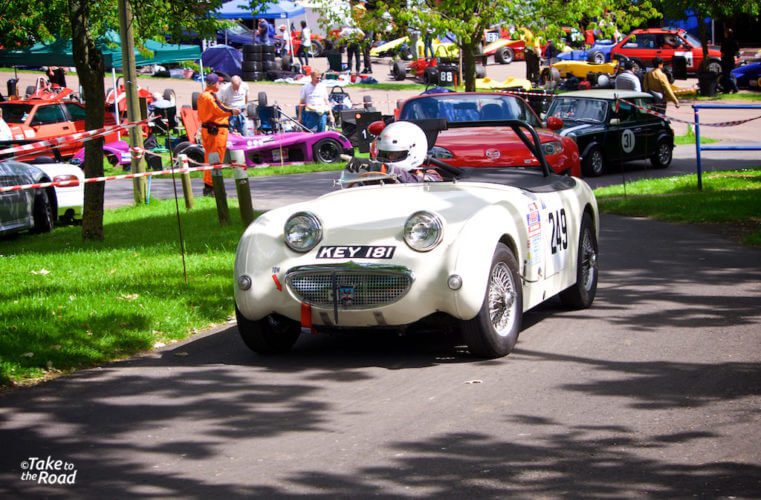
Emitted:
<point x="494" y="145"/>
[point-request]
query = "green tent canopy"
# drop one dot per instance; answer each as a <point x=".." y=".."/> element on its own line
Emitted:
<point x="59" y="53"/>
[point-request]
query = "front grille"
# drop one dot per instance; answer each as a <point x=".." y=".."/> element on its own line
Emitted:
<point x="349" y="286"/>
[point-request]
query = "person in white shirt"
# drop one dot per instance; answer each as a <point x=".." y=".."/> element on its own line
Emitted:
<point x="627" y="80"/>
<point x="235" y="95"/>
<point x="306" y="45"/>
<point x="5" y="130"/>
<point x="314" y="107"/>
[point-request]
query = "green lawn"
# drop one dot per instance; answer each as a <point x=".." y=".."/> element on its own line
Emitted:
<point x="65" y="304"/>
<point x="732" y="198"/>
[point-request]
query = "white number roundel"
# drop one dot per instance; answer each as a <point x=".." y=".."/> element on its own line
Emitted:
<point x="627" y="141"/>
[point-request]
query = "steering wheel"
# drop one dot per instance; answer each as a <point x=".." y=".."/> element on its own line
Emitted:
<point x="370" y="178"/>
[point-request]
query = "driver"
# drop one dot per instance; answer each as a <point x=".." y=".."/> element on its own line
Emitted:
<point x="402" y="149"/>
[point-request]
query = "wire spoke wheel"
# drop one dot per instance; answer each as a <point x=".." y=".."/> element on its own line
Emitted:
<point x="501" y="299"/>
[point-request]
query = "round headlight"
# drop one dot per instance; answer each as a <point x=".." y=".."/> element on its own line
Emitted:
<point x="302" y="232"/>
<point x="423" y="231"/>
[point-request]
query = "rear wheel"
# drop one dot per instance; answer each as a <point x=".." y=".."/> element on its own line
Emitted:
<point x="317" y="48"/>
<point x="582" y="293"/>
<point x="594" y="163"/>
<point x="663" y="152"/>
<point x="714" y="67"/>
<point x="596" y="57"/>
<point x="171" y="96"/>
<point x="261" y="99"/>
<point x="43" y="213"/>
<point x="505" y="55"/>
<point x="273" y="334"/>
<point x="399" y="71"/>
<point x="494" y="331"/>
<point x="327" y="151"/>
<point x="194" y="100"/>
<point x="480" y="71"/>
<point x="179" y="148"/>
<point x="195" y="153"/>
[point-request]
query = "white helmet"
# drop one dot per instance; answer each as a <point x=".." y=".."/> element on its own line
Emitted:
<point x="402" y="145"/>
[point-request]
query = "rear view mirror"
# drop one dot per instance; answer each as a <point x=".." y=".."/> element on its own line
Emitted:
<point x="554" y="123"/>
<point x="376" y="128"/>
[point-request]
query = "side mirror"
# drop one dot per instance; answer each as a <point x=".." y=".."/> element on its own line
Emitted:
<point x="375" y="128"/>
<point x="554" y="123"/>
<point x="615" y="121"/>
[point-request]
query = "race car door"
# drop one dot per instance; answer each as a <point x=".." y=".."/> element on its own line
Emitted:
<point x="556" y="221"/>
<point x="624" y="141"/>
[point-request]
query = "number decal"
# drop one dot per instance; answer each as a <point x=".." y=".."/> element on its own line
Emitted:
<point x="627" y="141"/>
<point x="559" y="238"/>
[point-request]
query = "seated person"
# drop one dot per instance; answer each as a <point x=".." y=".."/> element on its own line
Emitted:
<point x="402" y="149"/>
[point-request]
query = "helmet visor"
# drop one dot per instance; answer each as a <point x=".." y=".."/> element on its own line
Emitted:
<point x="392" y="156"/>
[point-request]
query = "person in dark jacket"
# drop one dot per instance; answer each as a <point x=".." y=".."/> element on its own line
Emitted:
<point x="729" y="49"/>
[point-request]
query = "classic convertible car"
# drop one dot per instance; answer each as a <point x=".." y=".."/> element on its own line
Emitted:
<point x="478" y="247"/>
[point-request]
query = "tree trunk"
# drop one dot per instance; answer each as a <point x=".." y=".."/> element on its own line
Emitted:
<point x="469" y="66"/>
<point x="89" y="63"/>
<point x="703" y="33"/>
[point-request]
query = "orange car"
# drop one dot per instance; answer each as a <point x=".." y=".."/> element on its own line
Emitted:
<point x="37" y="119"/>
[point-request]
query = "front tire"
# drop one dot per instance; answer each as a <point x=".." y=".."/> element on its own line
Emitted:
<point x="582" y="293"/>
<point x="399" y="71"/>
<point x="663" y="153"/>
<point x="272" y="334"/>
<point x="594" y="163"/>
<point x="327" y="151"/>
<point x="494" y="331"/>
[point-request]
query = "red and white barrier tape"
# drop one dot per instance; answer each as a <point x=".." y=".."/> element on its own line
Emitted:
<point x="44" y="185"/>
<point x="75" y="137"/>
<point x="649" y="111"/>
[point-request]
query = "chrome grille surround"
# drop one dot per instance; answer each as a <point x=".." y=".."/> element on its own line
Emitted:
<point x="357" y="286"/>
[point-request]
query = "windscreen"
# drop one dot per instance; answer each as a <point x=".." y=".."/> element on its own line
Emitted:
<point x="568" y="109"/>
<point x="463" y="108"/>
<point x="15" y="113"/>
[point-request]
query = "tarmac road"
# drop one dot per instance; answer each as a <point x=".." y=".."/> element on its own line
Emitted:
<point x="654" y="391"/>
<point x="272" y="192"/>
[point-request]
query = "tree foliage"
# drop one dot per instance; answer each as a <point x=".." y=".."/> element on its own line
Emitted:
<point x="85" y="22"/>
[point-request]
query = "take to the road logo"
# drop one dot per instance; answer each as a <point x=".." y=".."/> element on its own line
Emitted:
<point x="48" y="471"/>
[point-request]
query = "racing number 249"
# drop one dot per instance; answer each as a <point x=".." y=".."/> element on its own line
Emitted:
<point x="559" y="240"/>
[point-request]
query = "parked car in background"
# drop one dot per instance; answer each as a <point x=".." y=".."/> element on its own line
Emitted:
<point x="642" y="46"/>
<point x="748" y="76"/>
<point x="33" y="209"/>
<point x="464" y="145"/>
<point x="609" y="133"/>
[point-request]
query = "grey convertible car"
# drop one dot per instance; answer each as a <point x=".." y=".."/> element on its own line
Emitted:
<point x="33" y="209"/>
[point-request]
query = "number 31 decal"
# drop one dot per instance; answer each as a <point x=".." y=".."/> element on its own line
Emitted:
<point x="559" y="240"/>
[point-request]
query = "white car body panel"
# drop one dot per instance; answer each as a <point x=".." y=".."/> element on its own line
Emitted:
<point x="476" y="215"/>
<point x="69" y="198"/>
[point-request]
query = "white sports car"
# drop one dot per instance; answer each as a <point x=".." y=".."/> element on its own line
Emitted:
<point x="481" y="246"/>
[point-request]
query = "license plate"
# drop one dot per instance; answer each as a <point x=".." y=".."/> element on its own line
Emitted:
<point x="356" y="252"/>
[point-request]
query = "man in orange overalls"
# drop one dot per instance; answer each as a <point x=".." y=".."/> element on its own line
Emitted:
<point x="214" y="117"/>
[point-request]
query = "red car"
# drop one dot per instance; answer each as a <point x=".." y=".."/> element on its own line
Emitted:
<point x="642" y="46"/>
<point x="490" y="146"/>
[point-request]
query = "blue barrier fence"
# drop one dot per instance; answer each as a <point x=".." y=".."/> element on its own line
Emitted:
<point x="718" y="147"/>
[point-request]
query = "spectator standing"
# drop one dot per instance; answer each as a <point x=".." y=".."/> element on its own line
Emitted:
<point x="306" y="44"/>
<point x="550" y="52"/>
<point x="428" y="43"/>
<point x="354" y="37"/>
<point x="657" y="82"/>
<point x="56" y="76"/>
<point x="263" y="33"/>
<point x="532" y="54"/>
<point x="235" y="95"/>
<point x="729" y="50"/>
<point x="627" y="80"/>
<point x="5" y="130"/>
<point x="314" y="105"/>
<point x="214" y="117"/>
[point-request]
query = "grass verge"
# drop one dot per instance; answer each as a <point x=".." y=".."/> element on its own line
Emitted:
<point x="67" y="304"/>
<point x="730" y="201"/>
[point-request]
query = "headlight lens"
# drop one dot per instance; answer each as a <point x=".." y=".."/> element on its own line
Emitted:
<point x="302" y="232"/>
<point x="552" y="148"/>
<point x="423" y="231"/>
<point x="442" y="153"/>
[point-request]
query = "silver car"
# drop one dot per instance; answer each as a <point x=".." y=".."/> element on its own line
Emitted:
<point x="34" y="209"/>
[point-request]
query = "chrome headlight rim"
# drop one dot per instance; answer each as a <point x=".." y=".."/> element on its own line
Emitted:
<point x="437" y="222"/>
<point x="316" y="224"/>
<point x="552" y="148"/>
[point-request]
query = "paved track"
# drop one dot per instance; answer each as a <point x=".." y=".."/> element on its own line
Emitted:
<point x="655" y="391"/>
